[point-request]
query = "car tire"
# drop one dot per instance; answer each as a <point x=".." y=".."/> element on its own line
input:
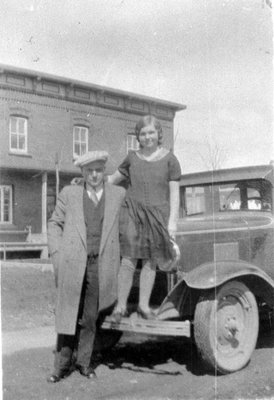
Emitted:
<point x="226" y="324"/>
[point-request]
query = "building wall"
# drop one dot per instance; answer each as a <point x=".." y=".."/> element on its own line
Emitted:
<point x="54" y="106"/>
<point x="50" y="131"/>
<point x="27" y="198"/>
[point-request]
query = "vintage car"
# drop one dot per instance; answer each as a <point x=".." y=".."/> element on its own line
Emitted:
<point x="223" y="285"/>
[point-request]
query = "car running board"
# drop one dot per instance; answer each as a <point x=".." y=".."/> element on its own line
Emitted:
<point x="149" y="326"/>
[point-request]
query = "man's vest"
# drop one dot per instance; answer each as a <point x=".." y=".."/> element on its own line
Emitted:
<point x="94" y="215"/>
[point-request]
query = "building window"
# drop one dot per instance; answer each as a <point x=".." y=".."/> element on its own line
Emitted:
<point x="5" y="204"/>
<point x="18" y="134"/>
<point x="132" y="142"/>
<point x="80" y="140"/>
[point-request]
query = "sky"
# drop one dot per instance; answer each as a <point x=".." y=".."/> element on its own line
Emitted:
<point x="214" y="56"/>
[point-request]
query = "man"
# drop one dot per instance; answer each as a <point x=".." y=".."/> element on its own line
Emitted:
<point x="83" y="240"/>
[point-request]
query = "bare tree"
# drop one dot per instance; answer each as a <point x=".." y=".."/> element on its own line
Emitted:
<point x="214" y="155"/>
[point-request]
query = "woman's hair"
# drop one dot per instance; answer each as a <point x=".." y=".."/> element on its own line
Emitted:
<point x="149" y="120"/>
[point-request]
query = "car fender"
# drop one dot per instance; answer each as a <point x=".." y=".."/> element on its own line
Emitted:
<point x="181" y="300"/>
<point x="213" y="274"/>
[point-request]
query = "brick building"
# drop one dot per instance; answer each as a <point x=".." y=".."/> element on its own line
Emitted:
<point x="45" y="122"/>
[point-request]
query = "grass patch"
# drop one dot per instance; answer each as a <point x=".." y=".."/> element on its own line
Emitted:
<point x="28" y="298"/>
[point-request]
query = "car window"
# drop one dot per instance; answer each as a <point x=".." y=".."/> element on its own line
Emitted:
<point x="195" y="200"/>
<point x="242" y="195"/>
<point x="230" y="197"/>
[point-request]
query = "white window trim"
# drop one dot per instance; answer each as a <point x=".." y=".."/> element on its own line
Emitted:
<point x="74" y="141"/>
<point x="16" y="150"/>
<point x="132" y="142"/>
<point x="2" y="204"/>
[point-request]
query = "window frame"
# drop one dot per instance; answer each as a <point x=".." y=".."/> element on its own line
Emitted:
<point x="75" y="155"/>
<point x="132" y="146"/>
<point x="9" y="222"/>
<point x="17" y="150"/>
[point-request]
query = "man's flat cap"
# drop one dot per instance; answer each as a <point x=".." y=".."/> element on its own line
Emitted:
<point x="91" y="156"/>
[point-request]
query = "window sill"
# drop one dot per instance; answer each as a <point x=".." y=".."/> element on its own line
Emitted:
<point x="5" y="225"/>
<point x="14" y="153"/>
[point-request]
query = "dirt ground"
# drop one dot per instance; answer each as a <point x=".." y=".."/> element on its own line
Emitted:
<point x="28" y="295"/>
<point x="139" y="367"/>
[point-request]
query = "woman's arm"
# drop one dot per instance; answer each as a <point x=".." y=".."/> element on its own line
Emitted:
<point x="174" y="202"/>
<point x="115" y="178"/>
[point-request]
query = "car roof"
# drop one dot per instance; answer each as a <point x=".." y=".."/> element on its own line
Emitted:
<point x="229" y="175"/>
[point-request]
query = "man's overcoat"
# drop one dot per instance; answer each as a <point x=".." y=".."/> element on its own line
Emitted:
<point x="68" y="248"/>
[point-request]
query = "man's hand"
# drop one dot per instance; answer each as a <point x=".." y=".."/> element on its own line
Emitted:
<point x="76" y="181"/>
<point x="54" y="258"/>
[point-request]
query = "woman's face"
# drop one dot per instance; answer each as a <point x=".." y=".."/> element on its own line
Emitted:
<point x="148" y="137"/>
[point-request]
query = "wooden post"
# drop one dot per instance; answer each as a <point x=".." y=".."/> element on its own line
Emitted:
<point x="44" y="253"/>
<point x="57" y="175"/>
<point x="44" y="202"/>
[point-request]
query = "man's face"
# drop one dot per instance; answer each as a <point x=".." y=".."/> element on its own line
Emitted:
<point x="93" y="174"/>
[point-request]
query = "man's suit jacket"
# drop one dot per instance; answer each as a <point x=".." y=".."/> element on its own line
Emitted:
<point x="68" y="248"/>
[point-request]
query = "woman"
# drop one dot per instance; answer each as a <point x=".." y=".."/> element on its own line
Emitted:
<point x="148" y="214"/>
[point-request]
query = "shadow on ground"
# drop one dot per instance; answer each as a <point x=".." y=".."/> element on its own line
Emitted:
<point x="152" y="355"/>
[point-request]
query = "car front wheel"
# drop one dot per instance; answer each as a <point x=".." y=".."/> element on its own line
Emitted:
<point x="226" y="324"/>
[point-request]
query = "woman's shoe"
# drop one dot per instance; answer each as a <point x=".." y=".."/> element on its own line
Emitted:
<point x="145" y="314"/>
<point x="117" y="315"/>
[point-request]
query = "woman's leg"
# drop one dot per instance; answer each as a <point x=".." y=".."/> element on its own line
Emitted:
<point x="147" y="279"/>
<point x="125" y="279"/>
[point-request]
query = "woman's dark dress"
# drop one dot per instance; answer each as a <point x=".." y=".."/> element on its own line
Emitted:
<point x="145" y="211"/>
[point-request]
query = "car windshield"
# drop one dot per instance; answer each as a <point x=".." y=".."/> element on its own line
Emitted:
<point x="241" y="195"/>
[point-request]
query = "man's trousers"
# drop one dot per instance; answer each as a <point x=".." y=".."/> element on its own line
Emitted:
<point x="83" y="340"/>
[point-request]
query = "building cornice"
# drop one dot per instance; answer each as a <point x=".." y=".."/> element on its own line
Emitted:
<point x="42" y="84"/>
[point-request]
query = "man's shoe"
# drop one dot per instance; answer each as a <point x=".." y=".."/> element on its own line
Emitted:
<point x="53" y="378"/>
<point x="88" y="372"/>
